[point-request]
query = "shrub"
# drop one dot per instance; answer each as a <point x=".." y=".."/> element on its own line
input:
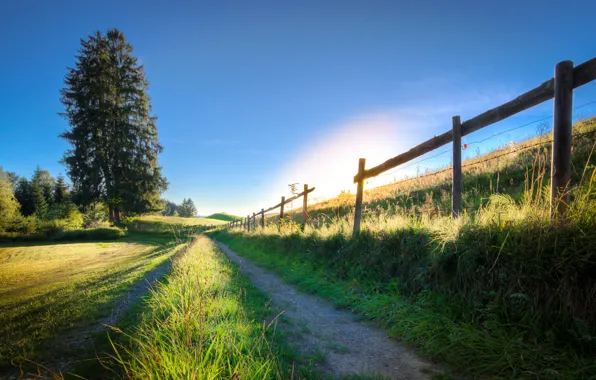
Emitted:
<point x="95" y="216"/>
<point x="104" y="233"/>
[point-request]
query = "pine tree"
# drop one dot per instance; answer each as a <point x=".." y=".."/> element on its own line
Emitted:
<point x="170" y="208"/>
<point x="60" y="191"/>
<point x="187" y="209"/>
<point x="40" y="205"/>
<point x="24" y="197"/>
<point x="113" y="134"/>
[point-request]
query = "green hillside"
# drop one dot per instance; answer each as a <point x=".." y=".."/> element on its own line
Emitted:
<point x="224" y="216"/>
<point x="502" y="292"/>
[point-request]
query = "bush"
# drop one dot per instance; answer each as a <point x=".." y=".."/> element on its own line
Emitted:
<point x="104" y="233"/>
<point x="95" y="216"/>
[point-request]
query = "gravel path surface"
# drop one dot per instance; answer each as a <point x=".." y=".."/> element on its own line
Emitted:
<point x="350" y="346"/>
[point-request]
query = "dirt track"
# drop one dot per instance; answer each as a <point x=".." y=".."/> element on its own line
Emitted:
<point x="350" y="347"/>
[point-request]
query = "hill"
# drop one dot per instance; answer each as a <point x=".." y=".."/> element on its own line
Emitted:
<point x="223" y="216"/>
<point x="505" y="291"/>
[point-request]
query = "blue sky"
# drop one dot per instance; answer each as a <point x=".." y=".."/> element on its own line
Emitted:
<point x="252" y="96"/>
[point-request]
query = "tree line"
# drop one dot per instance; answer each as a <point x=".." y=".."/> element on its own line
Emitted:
<point x="186" y="209"/>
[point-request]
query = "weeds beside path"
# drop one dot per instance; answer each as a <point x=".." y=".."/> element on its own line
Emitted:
<point x="349" y="347"/>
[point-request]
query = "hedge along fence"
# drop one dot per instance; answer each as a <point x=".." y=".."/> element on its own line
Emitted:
<point x="250" y="222"/>
<point x="560" y="87"/>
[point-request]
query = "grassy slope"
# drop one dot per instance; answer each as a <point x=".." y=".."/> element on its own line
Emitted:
<point x="224" y="216"/>
<point x="500" y="293"/>
<point x="207" y="322"/>
<point x="506" y="170"/>
<point x="47" y="288"/>
<point x="180" y="221"/>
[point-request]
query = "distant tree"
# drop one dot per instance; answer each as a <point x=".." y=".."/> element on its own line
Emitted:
<point x="170" y="208"/>
<point x="13" y="178"/>
<point x="9" y="207"/>
<point x="40" y="204"/>
<point x="47" y="183"/>
<point x="113" y="135"/>
<point x="187" y="209"/>
<point x="24" y="196"/>
<point x="60" y="190"/>
<point x="294" y="190"/>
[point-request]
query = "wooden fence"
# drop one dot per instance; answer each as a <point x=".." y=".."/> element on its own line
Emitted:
<point x="560" y="87"/>
<point x="250" y="222"/>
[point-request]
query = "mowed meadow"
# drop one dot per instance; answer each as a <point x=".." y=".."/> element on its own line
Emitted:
<point x="50" y="288"/>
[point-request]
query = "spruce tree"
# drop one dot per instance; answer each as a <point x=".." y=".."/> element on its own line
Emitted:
<point x="23" y="195"/>
<point x="40" y="204"/>
<point x="60" y="190"/>
<point x="187" y="209"/>
<point x="113" y="136"/>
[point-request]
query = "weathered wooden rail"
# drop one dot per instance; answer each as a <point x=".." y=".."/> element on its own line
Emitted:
<point x="250" y="223"/>
<point x="560" y="87"/>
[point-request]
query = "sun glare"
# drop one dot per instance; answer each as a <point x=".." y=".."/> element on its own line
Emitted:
<point x="330" y="163"/>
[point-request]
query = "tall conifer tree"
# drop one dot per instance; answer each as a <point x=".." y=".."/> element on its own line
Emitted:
<point x="113" y="134"/>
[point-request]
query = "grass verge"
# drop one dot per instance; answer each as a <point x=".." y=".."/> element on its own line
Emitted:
<point x="467" y="299"/>
<point x="207" y="321"/>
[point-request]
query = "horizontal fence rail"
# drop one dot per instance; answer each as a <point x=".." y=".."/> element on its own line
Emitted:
<point x="584" y="73"/>
<point x="560" y="87"/>
<point x="249" y="223"/>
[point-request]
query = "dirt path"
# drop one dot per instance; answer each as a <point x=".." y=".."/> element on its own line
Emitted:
<point x="350" y="346"/>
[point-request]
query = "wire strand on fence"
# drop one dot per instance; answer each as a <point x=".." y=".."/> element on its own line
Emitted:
<point x="481" y="141"/>
<point x="489" y="158"/>
<point x="525" y="125"/>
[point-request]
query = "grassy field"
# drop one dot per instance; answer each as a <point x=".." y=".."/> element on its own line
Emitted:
<point x="207" y="322"/>
<point x="47" y="288"/>
<point x="224" y="216"/>
<point x="176" y="220"/>
<point x="503" y="292"/>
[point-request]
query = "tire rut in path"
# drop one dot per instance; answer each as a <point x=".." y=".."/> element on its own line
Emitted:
<point x="363" y="349"/>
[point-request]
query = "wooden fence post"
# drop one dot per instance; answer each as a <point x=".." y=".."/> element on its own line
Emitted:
<point x="457" y="180"/>
<point x="262" y="218"/>
<point x="246" y="226"/>
<point x="281" y="210"/>
<point x="304" y="207"/>
<point x="359" y="193"/>
<point x="561" y="157"/>
<point x="254" y="221"/>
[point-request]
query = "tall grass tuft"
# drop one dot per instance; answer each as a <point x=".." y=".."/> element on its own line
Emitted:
<point x="203" y="323"/>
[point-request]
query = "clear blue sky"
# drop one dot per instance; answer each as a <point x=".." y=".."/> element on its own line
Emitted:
<point x="254" y="95"/>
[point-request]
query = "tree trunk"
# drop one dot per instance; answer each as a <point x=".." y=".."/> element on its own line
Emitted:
<point x="116" y="215"/>
<point x="111" y="213"/>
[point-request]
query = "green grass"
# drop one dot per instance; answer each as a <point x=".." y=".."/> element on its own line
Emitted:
<point x="224" y="216"/>
<point x="207" y="322"/>
<point x="170" y="225"/>
<point x="176" y="220"/>
<point x="503" y="292"/>
<point x="47" y="288"/>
